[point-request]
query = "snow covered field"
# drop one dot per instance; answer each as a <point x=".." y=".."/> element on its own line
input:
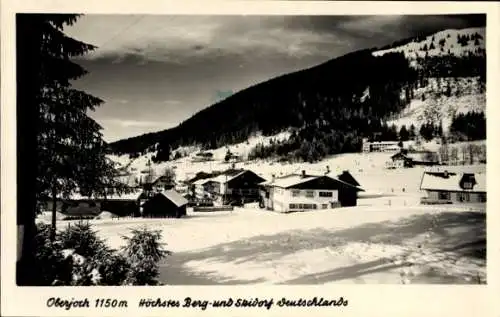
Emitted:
<point x="388" y="238"/>
<point x="370" y="243"/>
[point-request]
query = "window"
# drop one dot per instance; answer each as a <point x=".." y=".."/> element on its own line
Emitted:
<point x="482" y="197"/>
<point x="467" y="196"/>
<point x="463" y="197"/>
<point x="467" y="185"/>
<point x="444" y="195"/>
<point x="295" y="193"/>
<point x="324" y="206"/>
<point x="325" y="194"/>
<point x="310" y="193"/>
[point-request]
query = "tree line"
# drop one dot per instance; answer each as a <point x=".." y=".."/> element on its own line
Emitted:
<point x="469" y="126"/>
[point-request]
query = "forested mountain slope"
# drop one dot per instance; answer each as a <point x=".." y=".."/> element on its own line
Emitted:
<point x="329" y="108"/>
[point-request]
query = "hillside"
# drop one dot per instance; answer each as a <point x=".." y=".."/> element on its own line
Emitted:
<point x="330" y="107"/>
<point x="442" y="98"/>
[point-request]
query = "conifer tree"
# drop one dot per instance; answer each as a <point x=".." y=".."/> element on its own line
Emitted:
<point x="60" y="148"/>
<point x="404" y="135"/>
<point x="411" y="132"/>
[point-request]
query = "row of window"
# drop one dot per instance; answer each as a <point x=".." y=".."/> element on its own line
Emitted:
<point x="461" y="196"/>
<point x="307" y="206"/>
<point x="310" y="193"/>
<point x="303" y="206"/>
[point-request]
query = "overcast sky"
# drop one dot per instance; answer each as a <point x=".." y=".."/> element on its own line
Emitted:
<point x="154" y="71"/>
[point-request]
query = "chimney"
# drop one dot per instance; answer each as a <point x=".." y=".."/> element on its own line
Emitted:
<point x="273" y="178"/>
<point x="303" y="173"/>
<point x="327" y="169"/>
<point x="445" y="174"/>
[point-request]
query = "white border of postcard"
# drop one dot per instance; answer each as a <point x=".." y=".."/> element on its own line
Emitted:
<point x="369" y="300"/>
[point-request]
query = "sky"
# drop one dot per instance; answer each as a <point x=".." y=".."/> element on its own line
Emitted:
<point x="155" y="71"/>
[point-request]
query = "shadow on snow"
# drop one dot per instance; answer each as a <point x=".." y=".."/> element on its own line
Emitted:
<point x="461" y="233"/>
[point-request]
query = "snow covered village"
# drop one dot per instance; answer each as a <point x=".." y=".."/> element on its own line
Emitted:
<point x="309" y="171"/>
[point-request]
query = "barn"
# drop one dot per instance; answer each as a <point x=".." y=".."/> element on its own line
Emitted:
<point x="167" y="204"/>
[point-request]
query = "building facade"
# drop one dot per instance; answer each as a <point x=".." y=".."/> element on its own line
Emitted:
<point x="382" y="146"/>
<point x="232" y="187"/>
<point x="306" y="192"/>
<point x="447" y="188"/>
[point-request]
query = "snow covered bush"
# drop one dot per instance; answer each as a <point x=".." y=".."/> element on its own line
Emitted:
<point x="144" y="251"/>
<point x="83" y="240"/>
<point x="78" y="257"/>
<point x="114" y="270"/>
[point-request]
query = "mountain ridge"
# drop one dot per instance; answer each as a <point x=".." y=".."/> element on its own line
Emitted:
<point x="327" y="91"/>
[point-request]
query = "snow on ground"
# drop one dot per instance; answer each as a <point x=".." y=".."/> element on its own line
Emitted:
<point x="370" y="243"/>
<point x="368" y="168"/>
<point x="388" y="238"/>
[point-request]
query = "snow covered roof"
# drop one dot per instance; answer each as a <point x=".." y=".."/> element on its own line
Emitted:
<point x="451" y="181"/>
<point x="202" y="181"/>
<point x="291" y="180"/>
<point x="221" y="178"/>
<point x="129" y="196"/>
<point x="294" y="179"/>
<point x="231" y="177"/>
<point x="226" y="177"/>
<point x="175" y="197"/>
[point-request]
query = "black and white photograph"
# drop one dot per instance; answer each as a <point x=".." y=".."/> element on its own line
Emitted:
<point x="160" y="150"/>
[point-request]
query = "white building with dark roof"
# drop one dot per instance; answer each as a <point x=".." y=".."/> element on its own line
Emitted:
<point x="452" y="187"/>
<point x="308" y="192"/>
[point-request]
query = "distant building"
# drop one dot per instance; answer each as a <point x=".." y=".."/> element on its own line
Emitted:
<point x="163" y="183"/>
<point x="233" y="186"/>
<point x="236" y="187"/>
<point x="309" y="192"/>
<point x="409" y="159"/>
<point x="400" y="160"/>
<point x="382" y="146"/>
<point x="167" y="204"/>
<point x="203" y="188"/>
<point x="203" y="157"/>
<point x="446" y="187"/>
<point x="182" y="189"/>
